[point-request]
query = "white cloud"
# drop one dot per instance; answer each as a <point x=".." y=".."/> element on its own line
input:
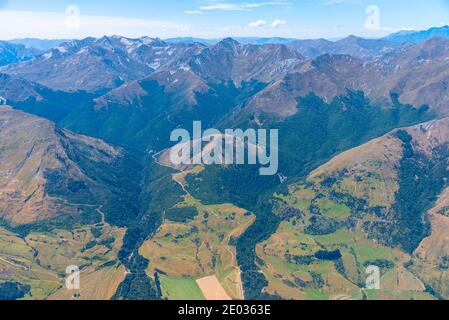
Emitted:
<point x="257" y="24"/>
<point x="53" y="25"/>
<point x="227" y="6"/>
<point x="404" y="28"/>
<point x="278" y="22"/>
<point x="193" y="12"/>
<point x="261" y="23"/>
<point x="222" y="6"/>
<point x="335" y="2"/>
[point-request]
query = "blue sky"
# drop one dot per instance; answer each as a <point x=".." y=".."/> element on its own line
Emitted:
<point x="217" y="19"/>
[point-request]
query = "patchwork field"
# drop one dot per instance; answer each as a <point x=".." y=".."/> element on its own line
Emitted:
<point x="194" y="242"/>
<point x="212" y="288"/>
<point x="290" y="276"/>
<point x="180" y="289"/>
<point x="321" y="249"/>
<point x="17" y="264"/>
<point x="40" y="259"/>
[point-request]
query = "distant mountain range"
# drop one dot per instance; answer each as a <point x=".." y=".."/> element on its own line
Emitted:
<point x="243" y="40"/>
<point x="19" y="50"/>
<point x="40" y="44"/>
<point x="419" y="36"/>
<point x="114" y="67"/>
<point x="415" y="36"/>
<point x="12" y="53"/>
<point x="401" y="37"/>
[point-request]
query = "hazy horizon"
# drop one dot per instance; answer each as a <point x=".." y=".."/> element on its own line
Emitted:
<point x="214" y="39"/>
<point x="299" y="19"/>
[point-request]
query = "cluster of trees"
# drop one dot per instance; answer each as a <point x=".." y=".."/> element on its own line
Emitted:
<point x="184" y="214"/>
<point x="421" y="180"/>
<point x="320" y="225"/>
<point x="13" y="290"/>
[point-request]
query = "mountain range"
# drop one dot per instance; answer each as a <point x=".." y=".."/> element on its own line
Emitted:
<point x="11" y="53"/>
<point x="419" y="36"/>
<point x="362" y="180"/>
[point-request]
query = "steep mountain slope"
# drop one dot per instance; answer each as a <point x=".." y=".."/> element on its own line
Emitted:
<point x="55" y="180"/>
<point x="46" y="171"/>
<point x="327" y="76"/>
<point x="106" y="63"/>
<point x="181" y="82"/>
<point x="368" y="206"/>
<point x="189" y="88"/>
<point x="418" y="74"/>
<point x="431" y="257"/>
<point x="12" y="53"/>
<point x="97" y="64"/>
<point x="195" y="71"/>
<point x="149" y="112"/>
<point x="38" y="99"/>
<point x="415" y="74"/>
<point x="229" y="60"/>
<point x="17" y="89"/>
